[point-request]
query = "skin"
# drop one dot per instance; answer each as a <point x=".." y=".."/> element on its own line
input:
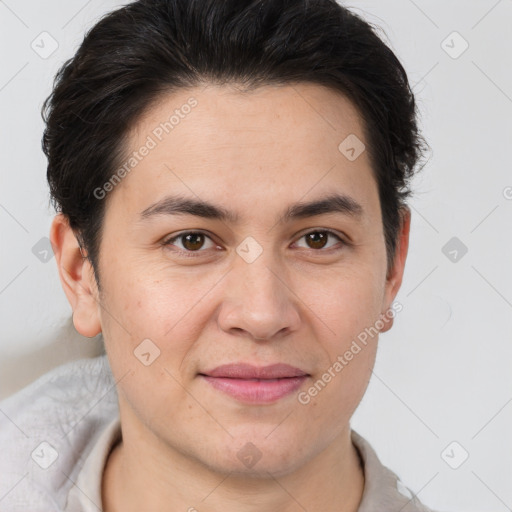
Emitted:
<point x="298" y="303"/>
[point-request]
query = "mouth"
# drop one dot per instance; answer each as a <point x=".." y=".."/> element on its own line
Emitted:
<point x="256" y="384"/>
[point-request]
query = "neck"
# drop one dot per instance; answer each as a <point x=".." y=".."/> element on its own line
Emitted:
<point x="144" y="475"/>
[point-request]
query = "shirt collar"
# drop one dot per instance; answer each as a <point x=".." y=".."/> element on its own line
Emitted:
<point x="383" y="490"/>
<point x="85" y="495"/>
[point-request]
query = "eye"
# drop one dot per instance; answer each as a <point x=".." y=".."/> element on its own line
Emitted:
<point x="191" y="241"/>
<point x="317" y="239"/>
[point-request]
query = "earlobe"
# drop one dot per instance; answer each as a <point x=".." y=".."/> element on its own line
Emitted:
<point x="394" y="279"/>
<point x="77" y="278"/>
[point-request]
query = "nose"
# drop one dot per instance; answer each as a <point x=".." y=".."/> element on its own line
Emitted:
<point x="259" y="301"/>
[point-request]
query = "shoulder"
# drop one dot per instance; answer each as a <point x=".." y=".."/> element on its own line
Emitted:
<point x="47" y="430"/>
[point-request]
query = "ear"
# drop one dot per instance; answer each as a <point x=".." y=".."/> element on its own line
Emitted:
<point x="395" y="275"/>
<point x="77" y="277"/>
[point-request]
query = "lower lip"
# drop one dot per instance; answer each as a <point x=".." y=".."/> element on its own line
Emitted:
<point x="256" y="391"/>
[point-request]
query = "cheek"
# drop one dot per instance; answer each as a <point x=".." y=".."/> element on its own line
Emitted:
<point x="146" y="320"/>
<point x="337" y="389"/>
<point x="170" y="312"/>
<point x="346" y="304"/>
<point x="346" y="309"/>
<point x="149" y="302"/>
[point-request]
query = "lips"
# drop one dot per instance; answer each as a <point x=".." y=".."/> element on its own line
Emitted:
<point x="255" y="384"/>
<point x="247" y="371"/>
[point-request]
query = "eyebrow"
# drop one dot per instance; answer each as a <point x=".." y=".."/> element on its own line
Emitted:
<point x="176" y="205"/>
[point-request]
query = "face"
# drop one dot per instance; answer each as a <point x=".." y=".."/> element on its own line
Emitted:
<point x="242" y="282"/>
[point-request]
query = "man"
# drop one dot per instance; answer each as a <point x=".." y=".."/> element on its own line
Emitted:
<point x="230" y="180"/>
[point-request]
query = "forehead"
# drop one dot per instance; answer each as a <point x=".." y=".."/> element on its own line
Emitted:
<point x="269" y="144"/>
<point x="303" y="110"/>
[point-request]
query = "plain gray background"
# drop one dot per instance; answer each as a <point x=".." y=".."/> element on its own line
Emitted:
<point x="442" y="385"/>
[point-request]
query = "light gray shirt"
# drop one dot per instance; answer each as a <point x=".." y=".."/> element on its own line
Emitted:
<point x="56" y="435"/>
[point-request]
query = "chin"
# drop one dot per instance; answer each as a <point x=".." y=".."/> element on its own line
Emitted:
<point x="258" y="454"/>
<point x="266" y="467"/>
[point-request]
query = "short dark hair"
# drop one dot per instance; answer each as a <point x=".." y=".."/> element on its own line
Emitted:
<point x="143" y="50"/>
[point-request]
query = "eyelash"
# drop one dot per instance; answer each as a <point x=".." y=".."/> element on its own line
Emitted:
<point x="194" y="254"/>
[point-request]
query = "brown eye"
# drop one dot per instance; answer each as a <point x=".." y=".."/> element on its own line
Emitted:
<point x="318" y="240"/>
<point x="191" y="241"/>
